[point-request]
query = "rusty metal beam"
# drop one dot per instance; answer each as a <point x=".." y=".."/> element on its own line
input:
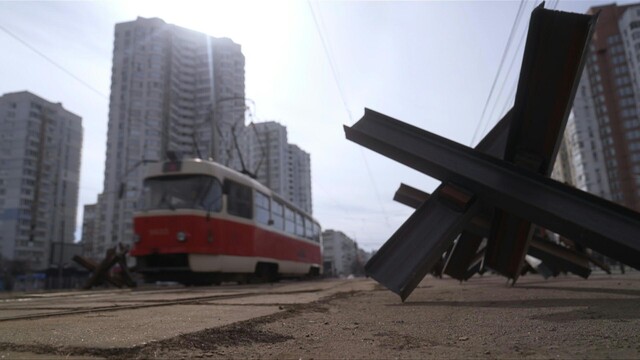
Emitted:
<point x="492" y="144"/>
<point x="413" y="250"/>
<point x="461" y="257"/>
<point x="410" y="196"/>
<point x="460" y="254"/>
<point x="100" y="271"/>
<point x="551" y="65"/>
<point x="565" y="259"/>
<point x="507" y="177"/>
<point x="589" y="220"/>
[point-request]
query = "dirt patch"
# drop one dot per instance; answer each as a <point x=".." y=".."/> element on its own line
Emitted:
<point x="212" y="339"/>
<point x="64" y="351"/>
<point x="205" y="343"/>
<point x="564" y="318"/>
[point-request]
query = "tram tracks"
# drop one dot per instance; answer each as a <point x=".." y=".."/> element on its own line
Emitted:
<point x="136" y="303"/>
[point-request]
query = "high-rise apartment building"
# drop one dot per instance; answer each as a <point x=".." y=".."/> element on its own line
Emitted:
<point x="587" y="152"/>
<point x="269" y="148"/>
<point x="605" y="133"/>
<point x="299" y="177"/>
<point x="88" y="228"/>
<point x="172" y="90"/>
<point x="562" y="169"/>
<point x="40" y="148"/>
<point x="283" y="167"/>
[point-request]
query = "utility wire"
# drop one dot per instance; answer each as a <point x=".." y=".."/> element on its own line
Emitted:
<point x="60" y="67"/>
<point x="332" y="66"/>
<point x="504" y="82"/>
<point x="331" y="62"/>
<point x="495" y="80"/>
<point x="511" y="97"/>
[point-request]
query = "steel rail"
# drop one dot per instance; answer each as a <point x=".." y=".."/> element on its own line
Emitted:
<point x="157" y="303"/>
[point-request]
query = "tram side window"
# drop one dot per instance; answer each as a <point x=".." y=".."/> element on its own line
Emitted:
<point x="299" y="224"/>
<point x="289" y="222"/>
<point x="277" y="215"/>
<point x="261" y="202"/>
<point x="308" y="228"/>
<point x="316" y="232"/>
<point x="239" y="199"/>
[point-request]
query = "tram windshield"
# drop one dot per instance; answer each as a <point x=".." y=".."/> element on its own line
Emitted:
<point x="182" y="192"/>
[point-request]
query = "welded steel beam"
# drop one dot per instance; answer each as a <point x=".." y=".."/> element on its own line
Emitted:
<point x="493" y="144"/>
<point x="410" y="196"/>
<point x="462" y="254"/>
<point x="540" y="83"/>
<point x="552" y="63"/>
<point x="602" y="265"/>
<point x="476" y="265"/>
<point x="601" y="225"/>
<point x="412" y="251"/>
<point x="567" y="260"/>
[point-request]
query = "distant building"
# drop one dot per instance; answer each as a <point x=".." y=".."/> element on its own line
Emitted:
<point x="269" y="149"/>
<point x="172" y="90"/>
<point x="88" y="228"/>
<point x="283" y="167"/>
<point x="299" y="177"/>
<point x="40" y="148"/>
<point x="604" y="135"/>
<point x="563" y="169"/>
<point x="339" y="255"/>
<point x="585" y="144"/>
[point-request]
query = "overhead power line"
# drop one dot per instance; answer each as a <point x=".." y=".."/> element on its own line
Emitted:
<point x="52" y="62"/>
<point x="493" y="117"/>
<point x="334" y="72"/>
<point x="495" y="80"/>
<point x="332" y="66"/>
<point x="511" y="96"/>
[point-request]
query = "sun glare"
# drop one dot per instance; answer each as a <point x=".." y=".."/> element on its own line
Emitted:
<point x="241" y="21"/>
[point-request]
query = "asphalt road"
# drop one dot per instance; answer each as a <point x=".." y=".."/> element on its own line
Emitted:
<point x="566" y="317"/>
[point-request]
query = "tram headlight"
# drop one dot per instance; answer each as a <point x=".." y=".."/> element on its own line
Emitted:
<point x="181" y="236"/>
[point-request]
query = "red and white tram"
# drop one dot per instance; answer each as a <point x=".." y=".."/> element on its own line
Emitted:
<point x="202" y="222"/>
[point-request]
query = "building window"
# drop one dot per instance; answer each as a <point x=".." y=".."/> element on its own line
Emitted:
<point x="614" y="38"/>
<point x="623" y="80"/>
<point x="618" y="59"/>
<point x="625" y="91"/>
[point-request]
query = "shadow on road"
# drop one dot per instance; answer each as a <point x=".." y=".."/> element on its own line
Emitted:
<point x="585" y="309"/>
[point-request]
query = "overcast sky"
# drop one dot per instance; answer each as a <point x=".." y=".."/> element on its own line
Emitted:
<point x="312" y="66"/>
